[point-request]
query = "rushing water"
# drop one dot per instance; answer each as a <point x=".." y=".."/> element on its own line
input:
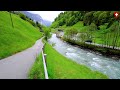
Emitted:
<point x="96" y="62"/>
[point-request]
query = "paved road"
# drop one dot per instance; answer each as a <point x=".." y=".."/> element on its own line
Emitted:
<point x="18" y="65"/>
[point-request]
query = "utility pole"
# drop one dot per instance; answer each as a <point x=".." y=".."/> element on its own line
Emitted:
<point x="11" y="19"/>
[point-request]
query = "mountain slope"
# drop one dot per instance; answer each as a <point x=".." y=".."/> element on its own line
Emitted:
<point x="16" y="39"/>
<point x="46" y="22"/>
<point x="37" y="17"/>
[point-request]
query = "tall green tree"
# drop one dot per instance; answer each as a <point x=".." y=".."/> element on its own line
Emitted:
<point x="47" y="33"/>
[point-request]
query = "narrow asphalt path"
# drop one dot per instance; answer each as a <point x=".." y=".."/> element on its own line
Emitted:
<point x="17" y="66"/>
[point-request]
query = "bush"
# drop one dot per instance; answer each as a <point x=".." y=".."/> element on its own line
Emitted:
<point x="39" y="26"/>
<point x="31" y="22"/>
<point x="22" y="16"/>
<point x="47" y="33"/>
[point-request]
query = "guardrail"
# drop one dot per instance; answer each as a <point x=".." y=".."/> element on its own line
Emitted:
<point x="44" y="64"/>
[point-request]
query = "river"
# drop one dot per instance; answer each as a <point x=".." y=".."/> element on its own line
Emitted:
<point x="107" y="66"/>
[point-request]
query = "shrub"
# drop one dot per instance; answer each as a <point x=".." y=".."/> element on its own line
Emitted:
<point x="22" y="16"/>
<point x="31" y="22"/>
<point x="47" y="33"/>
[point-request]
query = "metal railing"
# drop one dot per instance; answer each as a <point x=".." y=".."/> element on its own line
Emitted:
<point x="44" y="64"/>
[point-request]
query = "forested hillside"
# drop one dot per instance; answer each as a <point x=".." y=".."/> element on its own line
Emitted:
<point x="99" y="26"/>
<point x="70" y="18"/>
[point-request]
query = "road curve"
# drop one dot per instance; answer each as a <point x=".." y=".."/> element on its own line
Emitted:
<point x="17" y="66"/>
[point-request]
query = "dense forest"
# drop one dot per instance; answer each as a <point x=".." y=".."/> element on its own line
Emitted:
<point x="70" y="18"/>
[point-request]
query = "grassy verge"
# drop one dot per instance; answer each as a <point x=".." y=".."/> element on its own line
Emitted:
<point x="60" y="67"/>
<point x="37" y="70"/>
<point x="13" y="40"/>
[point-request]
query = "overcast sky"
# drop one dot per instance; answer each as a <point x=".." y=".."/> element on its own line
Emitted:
<point x="48" y="15"/>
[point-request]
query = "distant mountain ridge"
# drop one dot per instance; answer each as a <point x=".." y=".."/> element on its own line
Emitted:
<point x="37" y="17"/>
<point x="46" y="22"/>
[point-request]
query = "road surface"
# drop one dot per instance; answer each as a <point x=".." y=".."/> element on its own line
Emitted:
<point x="17" y="66"/>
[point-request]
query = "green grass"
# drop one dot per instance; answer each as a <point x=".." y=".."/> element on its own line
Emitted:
<point x="60" y="67"/>
<point x="78" y="26"/>
<point x="13" y="40"/>
<point x="37" y="70"/>
<point x="97" y="34"/>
